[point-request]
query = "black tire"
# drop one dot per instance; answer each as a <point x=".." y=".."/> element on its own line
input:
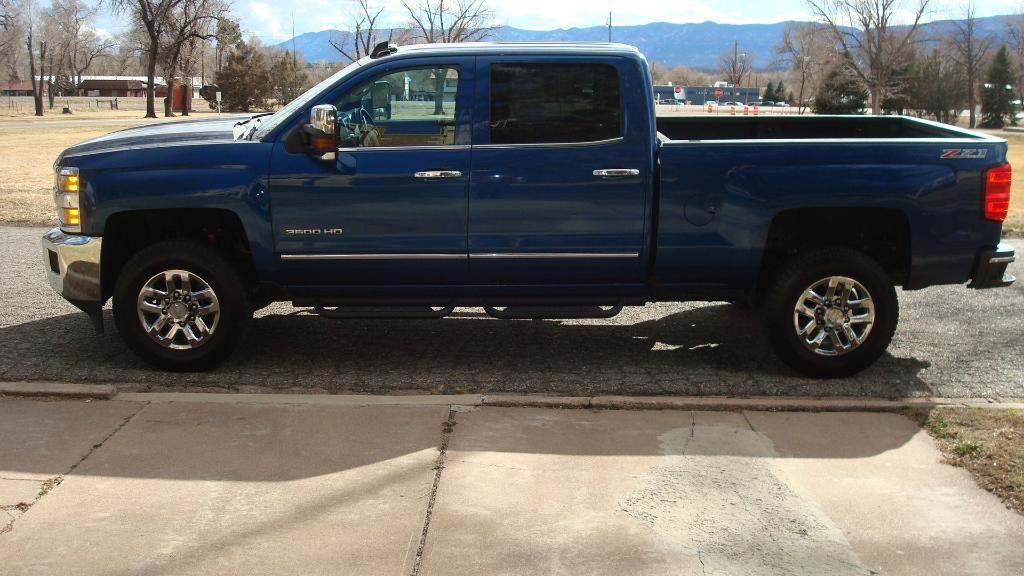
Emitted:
<point x="802" y="272"/>
<point x="214" y="269"/>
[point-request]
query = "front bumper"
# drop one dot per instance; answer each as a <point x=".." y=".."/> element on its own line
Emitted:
<point x="990" y="270"/>
<point x="73" y="268"/>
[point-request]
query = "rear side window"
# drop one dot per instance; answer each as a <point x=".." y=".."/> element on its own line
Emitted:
<point x="551" y="103"/>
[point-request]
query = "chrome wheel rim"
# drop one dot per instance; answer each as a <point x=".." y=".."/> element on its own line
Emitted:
<point x="834" y="316"/>
<point x="178" y="309"/>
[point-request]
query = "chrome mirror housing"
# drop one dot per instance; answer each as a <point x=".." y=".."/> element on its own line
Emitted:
<point x="324" y="118"/>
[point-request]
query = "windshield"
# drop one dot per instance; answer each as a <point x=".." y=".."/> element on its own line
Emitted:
<point x="268" y="123"/>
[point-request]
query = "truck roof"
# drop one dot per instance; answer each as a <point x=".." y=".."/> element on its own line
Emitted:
<point x="499" y="48"/>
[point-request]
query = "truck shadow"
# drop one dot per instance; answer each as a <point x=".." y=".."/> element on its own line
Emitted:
<point x="701" y="349"/>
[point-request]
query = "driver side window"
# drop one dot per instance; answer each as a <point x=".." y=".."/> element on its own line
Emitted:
<point x="412" y="107"/>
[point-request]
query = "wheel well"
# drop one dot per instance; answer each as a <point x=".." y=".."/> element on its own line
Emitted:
<point x="881" y="233"/>
<point x="126" y="233"/>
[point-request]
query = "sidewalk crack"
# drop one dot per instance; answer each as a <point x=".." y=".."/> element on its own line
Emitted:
<point x="50" y="483"/>
<point x="442" y="456"/>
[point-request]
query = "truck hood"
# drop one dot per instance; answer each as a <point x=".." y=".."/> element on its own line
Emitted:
<point x="161" y="134"/>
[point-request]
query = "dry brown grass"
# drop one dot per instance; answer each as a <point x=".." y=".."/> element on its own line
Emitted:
<point x="988" y="442"/>
<point x="26" y="171"/>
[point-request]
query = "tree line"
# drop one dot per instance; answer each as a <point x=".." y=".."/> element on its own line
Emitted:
<point x="857" y="56"/>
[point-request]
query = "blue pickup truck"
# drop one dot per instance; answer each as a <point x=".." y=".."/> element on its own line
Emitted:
<point x="534" y="181"/>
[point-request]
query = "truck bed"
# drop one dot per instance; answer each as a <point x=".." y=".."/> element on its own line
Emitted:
<point x="723" y="181"/>
<point x="803" y="127"/>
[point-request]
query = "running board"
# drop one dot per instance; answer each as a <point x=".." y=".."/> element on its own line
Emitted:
<point x="552" y="312"/>
<point x="384" y="312"/>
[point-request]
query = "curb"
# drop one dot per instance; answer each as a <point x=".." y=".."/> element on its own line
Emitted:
<point x="721" y="403"/>
<point x="57" y="390"/>
<point x="512" y="400"/>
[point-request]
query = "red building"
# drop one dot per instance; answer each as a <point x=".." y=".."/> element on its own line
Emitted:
<point x="112" y="88"/>
<point x="20" y="88"/>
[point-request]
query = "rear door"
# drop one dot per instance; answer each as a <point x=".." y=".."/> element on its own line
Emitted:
<point x="559" y="187"/>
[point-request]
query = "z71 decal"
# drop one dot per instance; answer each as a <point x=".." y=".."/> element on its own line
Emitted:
<point x="964" y="153"/>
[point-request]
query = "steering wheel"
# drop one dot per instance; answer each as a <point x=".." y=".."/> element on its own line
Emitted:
<point x="365" y="117"/>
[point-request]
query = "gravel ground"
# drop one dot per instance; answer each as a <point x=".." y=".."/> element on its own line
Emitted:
<point x="951" y="342"/>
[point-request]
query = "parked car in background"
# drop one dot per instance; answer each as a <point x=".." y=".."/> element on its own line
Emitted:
<point x="712" y="103"/>
<point x="781" y="104"/>
<point x="356" y="202"/>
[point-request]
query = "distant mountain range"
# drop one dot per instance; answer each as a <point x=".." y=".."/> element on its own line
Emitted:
<point x="695" y="45"/>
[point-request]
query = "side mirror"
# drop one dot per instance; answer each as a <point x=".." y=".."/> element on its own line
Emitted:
<point x="381" y="95"/>
<point x="323" y="129"/>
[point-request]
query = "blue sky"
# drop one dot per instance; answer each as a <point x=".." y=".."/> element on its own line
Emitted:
<point x="271" y="20"/>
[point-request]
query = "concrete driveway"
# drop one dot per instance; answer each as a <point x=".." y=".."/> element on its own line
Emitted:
<point x="325" y="485"/>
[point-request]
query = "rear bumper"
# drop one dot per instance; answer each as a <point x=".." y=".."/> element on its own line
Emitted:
<point x="73" y="268"/>
<point x="990" y="270"/>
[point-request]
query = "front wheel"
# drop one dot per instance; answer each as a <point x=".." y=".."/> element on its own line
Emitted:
<point x="180" y="305"/>
<point x="831" y="312"/>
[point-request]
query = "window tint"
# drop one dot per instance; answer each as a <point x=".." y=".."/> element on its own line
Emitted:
<point x="414" y="107"/>
<point x="539" y="103"/>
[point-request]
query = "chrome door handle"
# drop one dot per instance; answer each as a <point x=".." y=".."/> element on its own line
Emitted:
<point x="616" y="172"/>
<point x="435" y="174"/>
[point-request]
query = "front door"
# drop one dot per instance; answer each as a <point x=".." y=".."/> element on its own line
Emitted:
<point x="559" y="188"/>
<point x="390" y="208"/>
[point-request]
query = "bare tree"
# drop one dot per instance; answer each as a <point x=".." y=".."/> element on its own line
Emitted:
<point x="804" y="49"/>
<point x="79" y="46"/>
<point x="365" y="34"/>
<point x="1014" y="25"/>
<point x="7" y="14"/>
<point x="969" y="49"/>
<point x="11" y="37"/>
<point x="868" y="31"/>
<point x="735" y="66"/>
<point x="35" y="39"/>
<point x="446" y="21"/>
<point x="190" y="20"/>
<point x="153" y="16"/>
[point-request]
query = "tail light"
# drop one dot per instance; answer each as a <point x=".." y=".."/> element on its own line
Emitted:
<point x="997" y="192"/>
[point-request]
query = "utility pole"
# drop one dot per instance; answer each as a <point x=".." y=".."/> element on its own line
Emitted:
<point x="293" y="39"/>
<point x="609" y="26"/>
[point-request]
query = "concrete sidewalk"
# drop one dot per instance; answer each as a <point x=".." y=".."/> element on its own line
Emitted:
<point x="177" y="484"/>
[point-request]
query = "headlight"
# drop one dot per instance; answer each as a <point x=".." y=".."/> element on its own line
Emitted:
<point x="65" y="194"/>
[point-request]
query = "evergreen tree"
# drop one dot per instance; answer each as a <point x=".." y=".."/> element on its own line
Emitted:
<point x="289" y="77"/>
<point x="997" y="92"/>
<point x="244" y="81"/>
<point x="769" y="92"/>
<point x="840" y="93"/>
<point x="780" y="92"/>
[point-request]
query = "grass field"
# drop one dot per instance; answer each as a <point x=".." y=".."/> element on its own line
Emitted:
<point x="27" y="155"/>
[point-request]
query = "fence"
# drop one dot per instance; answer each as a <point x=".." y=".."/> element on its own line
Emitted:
<point x="24" y="104"/>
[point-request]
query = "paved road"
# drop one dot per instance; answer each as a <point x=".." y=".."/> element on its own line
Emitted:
<point x="951" y="342"/>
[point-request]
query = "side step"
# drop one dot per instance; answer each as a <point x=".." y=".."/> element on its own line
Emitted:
<point x="552" y="312"/>
<point x="396" y="312"/>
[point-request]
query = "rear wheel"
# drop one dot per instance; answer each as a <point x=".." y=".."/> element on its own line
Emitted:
<point x="831" y="312"/>
<point x="180" y="305"/>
